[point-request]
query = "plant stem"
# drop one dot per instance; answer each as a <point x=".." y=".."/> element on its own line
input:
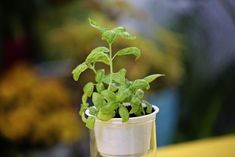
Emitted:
<point x="92" y="67"/>
<point x="111" y="65"/>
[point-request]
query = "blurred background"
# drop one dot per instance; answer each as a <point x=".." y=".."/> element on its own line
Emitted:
<point x="41" y="41"/>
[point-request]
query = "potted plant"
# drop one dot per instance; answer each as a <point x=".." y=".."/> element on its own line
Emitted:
<point x="121" y="119"/>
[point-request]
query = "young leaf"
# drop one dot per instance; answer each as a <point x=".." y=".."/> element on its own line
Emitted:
<point x="123" y="95"/>
<point x="151" y="78"/>
<point x="140" y="112"/>
<point x="100" y="74"/>
<point x="135" y="100"/>
<point x="105" y="116"/>
<point x="106" y="79"/>
<point x="98" y="100"/>
<point x="140" y="84"/>
<point x="129" y="51"/>
<point x="92" y="110"/>
<point x="139" y="93"/>
<point x="113" y="87"/>
<point x="84" y="119"/>
<point x="121" y="32"/>
<point x="96" y="25"/>
<point x="88" y="89"/>
<point x="111" y="106"/>
<point x="127" y="35"/>
<point x="100" y="87"/>
<point x="135" y="104"/>
<point x="84" y="98"/>
<point x="84" y="106"/>
<point x="123" y="112"/>
<point x="118" y="30"/>
<point x="122" y="72"/>
<point x="108" y="95"/>
<point x="149" y="107"/>
<point x="103" y="59"/>
<point x="134" y="109"/>
<point x="109" y="36"/>
<point x="98" y="55"/>
<point x="78" y="70"/>
<point x="119" y="77"/>
<point x="90" y="122"/>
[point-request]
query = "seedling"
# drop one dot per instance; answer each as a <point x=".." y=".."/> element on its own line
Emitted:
<point x="112" y="91"/>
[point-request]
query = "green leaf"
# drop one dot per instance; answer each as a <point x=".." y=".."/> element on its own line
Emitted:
<point x="98" y="55"/>
<point x="90" y="122"/>
<point x="84" y="119"/>
<point x="123" y="112"/>
<point x="127" y="35"/>
<point x="119" y="77"/>
<point x="98" y="100"/>
<point x="140" y="112"/>
<point x="139" y="93"/>
<point x="122" y="72"/>
<point x="149" y="109"/>
<point x="134" y="109"/>
<point x="106" y="79"/>
<point x="96" y="25"/>
<point x="135" y="100"/>
<point x="92" y="110"/>
<point x="103" y="59"/>
<point x="135" y="104"/>
<point x="119" y="29"/>
<point x="105" y="116"/>
<point x="121" y="32"/>
<point x="78" y="70"/>
<point x="84" y="106"/>
<point x="110" y="107"/>
<point x="151" y="78"/>
<point x="113" y="87"/>
<point x="123" y="95"/>
<point x="109" y="36"/>
<point x="84" y="98"/>
<point x="149" y="106"/>
<point x="88" y="89"/>
<point x="140" y="84"/>
<point x="108" y="95"/>
<point x="100" y="74"/>
<point x="100" y="87"/>
<point x="129" y="51"/>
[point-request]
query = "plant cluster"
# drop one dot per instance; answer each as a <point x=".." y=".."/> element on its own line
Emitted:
<point x="112" y="91"/>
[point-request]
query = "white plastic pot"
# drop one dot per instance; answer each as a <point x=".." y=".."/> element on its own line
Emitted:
<point x="129" y="139"/>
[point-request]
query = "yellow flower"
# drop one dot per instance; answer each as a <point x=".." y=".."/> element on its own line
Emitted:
<point x="36" y="110"/>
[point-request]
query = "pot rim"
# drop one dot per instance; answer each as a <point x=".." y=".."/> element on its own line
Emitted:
<point x="139" y="119"/>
